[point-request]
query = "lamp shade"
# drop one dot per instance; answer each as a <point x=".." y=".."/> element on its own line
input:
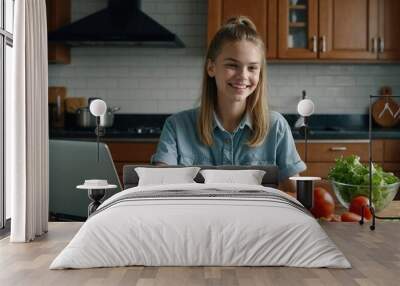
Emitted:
<point x="305" y="107"/>
<point x="98" y="107"/>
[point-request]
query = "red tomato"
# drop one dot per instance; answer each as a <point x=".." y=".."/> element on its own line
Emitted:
<point x="356" y="206"/>
<point x="324" y="205"/>
<point x="350" y="217"/>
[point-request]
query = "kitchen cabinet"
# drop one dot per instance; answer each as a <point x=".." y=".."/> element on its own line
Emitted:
<point x="391" y="157"/>
<point x="308" y="29"/>
<point x="388" y="40"/>
<point x="348" y="29"/>
<point x="131" y="153"/>
<point x="318" y="29"/>
<point x="339" y="29"/>
<point x="58" y="15"/>
<point x="262" y="12"/>
<point x="298" y="29"/>
<point x="327" y="29"/>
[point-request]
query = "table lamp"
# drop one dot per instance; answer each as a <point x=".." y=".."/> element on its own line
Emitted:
<point x="98" y="108"/>
<point x="305" y="185"/>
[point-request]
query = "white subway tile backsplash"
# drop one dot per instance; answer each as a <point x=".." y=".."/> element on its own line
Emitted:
<point x="332" y="92"/>
<point x="287" y="80"/>
<point x="183" y="94"/>
<point x="137" y="94"/>
<point x="126" y="83"/>
<point x="159" y="83"/>
<point x="344" y="81"/>
<point x="287" y="91"/>
<point x="364" y="80"/>
<point x="117" y="71"/>
<point x="135" y="106"/>
<point x="359" y="92"/>
<point x="77" y="82"/>
<point x="166" y="8"/>
<point x="87" y="92"/>
<point x="324" y="80"/>
<point x="182" y="72"/>
<point x="102" y="83"/>
<point x="337" y="69"/>
<point x="150" y="8"/>
<point x="167" y="80"/>
<point x="189" y="83"/>
<point x="145" y="72"/>
<point x="171" y="106"/>
<point x="57" y="81"/>
<point x="396" y="89"/>
<point x="89" y="72"/>
<point x="306" y="80"/>
<point x="371" y="69"/>
<point x="187" y="8"/>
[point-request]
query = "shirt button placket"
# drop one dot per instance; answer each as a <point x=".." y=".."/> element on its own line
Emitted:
<point x="227" y="151"/>
<point x="232" y="162"/>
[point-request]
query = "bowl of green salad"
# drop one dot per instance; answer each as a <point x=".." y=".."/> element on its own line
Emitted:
<point x="350" y="178"/>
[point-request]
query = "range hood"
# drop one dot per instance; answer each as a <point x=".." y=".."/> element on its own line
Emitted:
<point x="122" y="23"/>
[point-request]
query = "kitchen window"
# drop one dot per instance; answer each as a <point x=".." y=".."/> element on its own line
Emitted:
<point x="6" y="64"/>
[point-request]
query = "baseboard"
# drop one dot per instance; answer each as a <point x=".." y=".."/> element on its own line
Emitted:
<point x="65" y="217"/>
<point x="5" y="231"/>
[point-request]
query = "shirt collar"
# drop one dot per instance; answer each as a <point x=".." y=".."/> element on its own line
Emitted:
<point x="246" y="121"/>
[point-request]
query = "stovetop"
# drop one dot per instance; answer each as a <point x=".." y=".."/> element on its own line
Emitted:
<point x="142" y="130"/>
<point x="125" y="126"/>
<point x="134" y="132"/>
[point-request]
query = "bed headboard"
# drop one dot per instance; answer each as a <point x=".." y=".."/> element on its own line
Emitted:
<point x="270" y="179"/>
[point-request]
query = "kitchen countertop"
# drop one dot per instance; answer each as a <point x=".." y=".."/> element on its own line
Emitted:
<point x="323" y="127"/>
<point x="89" y="135"/>
<point x="313" y="135"/>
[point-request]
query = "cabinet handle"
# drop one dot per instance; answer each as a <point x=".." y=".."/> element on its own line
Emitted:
<point x="374" y="47"/>
<point x="381" y="45"/>
<point x="314" y="44"/>
<point x="339" y="148"/>
<point x="323" y="44"/>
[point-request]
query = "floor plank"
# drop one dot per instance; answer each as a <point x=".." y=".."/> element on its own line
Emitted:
<point x="375" y="257"/>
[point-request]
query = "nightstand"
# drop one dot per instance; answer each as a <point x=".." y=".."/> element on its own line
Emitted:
<point x="96" y="193"/>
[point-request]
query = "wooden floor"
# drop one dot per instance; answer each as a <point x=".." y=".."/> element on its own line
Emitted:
<point x="374" y="255"/>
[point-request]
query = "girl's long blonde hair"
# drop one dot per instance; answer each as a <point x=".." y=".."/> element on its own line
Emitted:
<point x="236" y="29"/>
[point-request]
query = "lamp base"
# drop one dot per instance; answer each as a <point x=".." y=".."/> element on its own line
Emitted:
<point x="100" y="131"/>
<point x="305" y="193"/>
<point x="95" y="195"/>
<point x="305" y="190"/>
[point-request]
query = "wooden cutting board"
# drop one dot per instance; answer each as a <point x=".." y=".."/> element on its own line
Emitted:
<point x="384" y="109"/>
<point x="57" y="96"/>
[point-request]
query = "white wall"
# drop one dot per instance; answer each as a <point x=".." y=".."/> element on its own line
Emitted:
<point x="143" y="80"/>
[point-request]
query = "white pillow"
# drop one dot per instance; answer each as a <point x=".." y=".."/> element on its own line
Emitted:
<point x="249" y="177"/>
<point x="164" y="176"/>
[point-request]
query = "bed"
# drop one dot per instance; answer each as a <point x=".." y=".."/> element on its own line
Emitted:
<point x="198" y="224"/>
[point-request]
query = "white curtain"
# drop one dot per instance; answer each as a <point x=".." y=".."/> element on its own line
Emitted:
<point x="27" y="124"/>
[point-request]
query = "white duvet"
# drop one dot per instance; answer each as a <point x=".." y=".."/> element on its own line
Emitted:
<point x="183" y="231"/>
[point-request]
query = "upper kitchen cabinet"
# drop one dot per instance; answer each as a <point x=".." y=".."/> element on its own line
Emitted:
<point x="388" y="40"/>
<point x="298" y="29"/>
<point x="348" y="29"/>
<point x="262" y="12"/>
<point x="339" y="29"/>
<point x="58" y="15"/>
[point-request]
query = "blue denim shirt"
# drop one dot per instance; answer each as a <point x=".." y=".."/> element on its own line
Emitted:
<point x="180" y="145"/>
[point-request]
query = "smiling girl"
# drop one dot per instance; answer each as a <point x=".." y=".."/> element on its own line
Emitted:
<point x="233" y="125"/>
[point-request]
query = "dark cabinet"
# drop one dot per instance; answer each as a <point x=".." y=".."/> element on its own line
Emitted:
<point x="319" y="30"/>
<point x="58" y="15"/>
<point x="262" y="12"/>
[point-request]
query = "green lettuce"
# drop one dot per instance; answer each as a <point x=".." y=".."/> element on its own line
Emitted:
<point x="349" y="170"/>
